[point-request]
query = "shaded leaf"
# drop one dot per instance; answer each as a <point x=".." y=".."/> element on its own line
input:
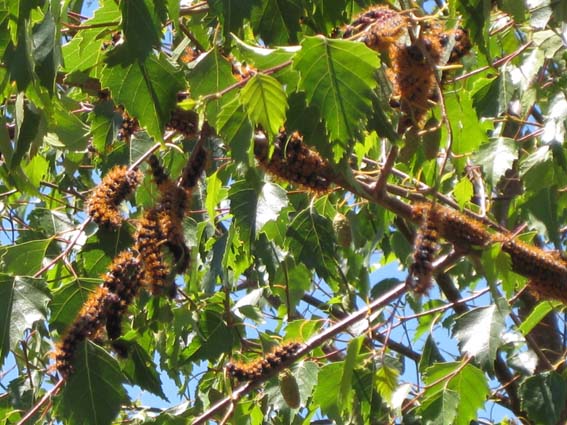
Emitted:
<point x="441" y="409"/>
<point x="23" y="301"/>
<point x="147" y="89"/>
<point x="277" y="21"/>
<point x="543" y="397"/>
<point x="25" y="258"/>
<point x="236" y="130"/>
<point x="343" y="93"/>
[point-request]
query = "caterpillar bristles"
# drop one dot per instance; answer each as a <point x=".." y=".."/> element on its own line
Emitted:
<point x="128" y="127"/>
<point x="425" y="247"/>
<point x="548" y="290"/>
<point x="86" y="325"/>
<point x="264" y="366"/>
<point x="149" y="239"/>
<point x="379" y="27"/>
<point x="158" y="171"/>
<point x="103" y="203"/>
<point x="194" y="168"/>
<point x="185" y="122"/>
<point x="294" y="162"/>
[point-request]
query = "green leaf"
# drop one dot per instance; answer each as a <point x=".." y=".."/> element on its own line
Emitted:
<point x="468" y="133"/>
<point x="23" y="301"/>
<point x="350" y="362"/>
<point x="147" y="89"/>
<point x="479" y="332"/>
<point x="211" y="74"/>
<point x="236" y="130"/>
<point x="142" y="27"/>
<point x="496" y="157"/>
<point x="243" y="196"/>
<point x="67" y="130"/>
<point x="141" y="370"/>
<point x="231" y="13"/>
<point x="326" y="394"/>
<point x="68" y="300"/>
<point x="309" y="237"/>
<point x="265" y="102"/>
<point x="271" y="200"/>
<point x="94" y="393"/>
<point x="277" y="21"/>
<point x="25" y="258"/>
<point x="46" y="51"/>
<point x="460" y="379"/>
<point x="537" y="315"/>
<point x="543" y="397"/>
<point x="343" y="93"/>
<point x="215" y="194"/>
<point x="441" y="409"/>
<point x="387" y="381"/>
<point x="463" y="191"/>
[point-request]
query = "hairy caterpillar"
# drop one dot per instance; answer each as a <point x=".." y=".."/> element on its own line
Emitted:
<point x="425" y="247"/>
<point x="103" y="203"/>
<point x="263" y="366"/>
<point x="87" y="323"/>
<point x="128" y="127"/>
<point x="454" y="226"/>
<point x="149" y="239"/>
<point x="185" y="122"/>
<point x="293" y="161"/>
<point x="380" y="27"/>
<point x="548" y="290"/>
<point x="194" y="168"/>
<point x="158" y="171"/>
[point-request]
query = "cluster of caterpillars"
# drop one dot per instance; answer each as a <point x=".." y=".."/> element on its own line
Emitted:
<point x="414" y="49"/>
<point x="142" y="266"/>
<point x="263" y="366"/>
<point x="546" y="270"/>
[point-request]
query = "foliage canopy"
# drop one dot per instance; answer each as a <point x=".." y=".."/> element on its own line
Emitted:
<point x="356" y="208"/>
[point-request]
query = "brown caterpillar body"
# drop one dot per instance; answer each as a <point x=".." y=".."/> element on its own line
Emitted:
<point x="158" y="171"/>
<point x="194" y="168"/>
<point x="87" y="323"/>
<point x="103" y="203"/>
<point x="381" y="26"/>
<point x="122" y="279"/>
<point x="128" y="127"/>
<point x="263" y="366"/>
<point x="149" y="239"/>
<point x="453" y="225"/>
<point x="548" y="290"/>
<point x="293" y="161"/>
<point x="185" y="122"/>
<point x="425" y="248"/>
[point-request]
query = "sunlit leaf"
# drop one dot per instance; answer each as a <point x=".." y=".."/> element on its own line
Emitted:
<point x="343" y="93"/>
<point x="496" y="157"/>
<point x="543" y="397"/>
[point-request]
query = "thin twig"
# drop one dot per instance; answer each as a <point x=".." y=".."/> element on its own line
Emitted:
<point x="40" y="403"/>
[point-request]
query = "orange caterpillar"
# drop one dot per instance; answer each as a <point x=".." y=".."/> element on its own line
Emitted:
<point x="123" y="280"/>
<point x="86" y="325"/>
<point x="425" y="247"/>
<point x="263" y="366"/>
<point x="381" y="26"/>
<point x="293" y="161"/>
<point x="453" y="225"/>
<point x="149" y="239"/>
<point x="128" y="127"/>
<point x="103" y="203"/>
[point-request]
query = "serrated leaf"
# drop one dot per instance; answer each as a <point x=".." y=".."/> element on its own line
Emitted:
<point x="543" y="397"/>
<point x="231" y="13"/>
<point x="554" y="126"/>
<point x="325" y="394"/>
<point x="94" y="393"/>
<point x="479" y="332"/>
<point x="265" y="101"/>
<point x="343" y="93"/>
<point x="387" y="382"/>
<point x="496" y="157"/>
<point x="271" y="200"/>
<point x="23" y="301"/>
<point x="460" y="379"/>
<point x="142" y="371"/>
<point x="309" y="237"/>
<point x="441" y="409"/>
<point x="215" y="194"/>
<point x="468" y="133"/>
<point x="463" y="191"/>
<point x="147" y="89"/>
